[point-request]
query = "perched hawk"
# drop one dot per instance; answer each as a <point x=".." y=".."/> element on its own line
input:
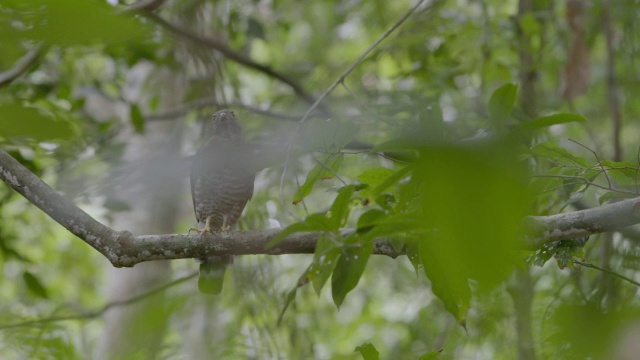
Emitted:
<point x="221" y="185"/>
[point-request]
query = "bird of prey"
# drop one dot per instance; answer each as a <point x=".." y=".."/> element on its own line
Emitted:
<point x="221" y="185"/>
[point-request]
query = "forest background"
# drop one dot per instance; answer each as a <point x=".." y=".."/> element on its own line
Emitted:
<point x="487" y="151"/>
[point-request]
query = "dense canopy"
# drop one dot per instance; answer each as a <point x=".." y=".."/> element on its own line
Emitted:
<point x="434" y="179"/>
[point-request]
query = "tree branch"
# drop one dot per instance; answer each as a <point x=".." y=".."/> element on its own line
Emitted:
<point x="228" y="53"/>
<point x="85" y="315"/>
<point x="209" y="102"/>
<point x="21" y="66"/>
<point x="122" y="248"/>
<point x="572" y="225"/>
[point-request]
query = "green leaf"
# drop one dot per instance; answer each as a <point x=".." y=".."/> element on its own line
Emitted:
<point x="614" y="195"/>
<point x="449" y="280"/>
<point x="475" y="229"/>
<point x="397" y="224"/>
<point x="19" y="122"/>
<point x="319" y="172"/>
<point x="34" y="285"/>
<point x="550" y="120"/>
<point x="350" y="267"/>
<point x="431" y="355"/>
<point x="313" y="222"/>
<point x="558" y="154"/>
<point x="136" y="119"/>
<point x="324" y="262"/>
<point x="501" y="104"/>
<point x="340" y="209"/>
<point x="530" y="25"/>
<point x="391" y="180"/>
<point x="413" y="252"/>
<point x="370" y="218"/>
<point x="623" y="173"/>
<point x="70" y="22"/>
<point x="368" y="351"/>
<point x="374" y="176"/>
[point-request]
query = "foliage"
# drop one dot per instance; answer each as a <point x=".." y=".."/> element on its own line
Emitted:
<point x="441" y="141"/>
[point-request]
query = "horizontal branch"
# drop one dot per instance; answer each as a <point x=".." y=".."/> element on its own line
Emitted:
<point x="582" y="223"/>
<point x="124" y="249"/>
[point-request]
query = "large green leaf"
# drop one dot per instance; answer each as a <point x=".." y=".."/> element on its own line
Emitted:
<point x="474" y="199"/>
<point x="71" y="22"/>
<point x="19" y="122"/>
<point x="350" y="266"/>
<point x="324" y="262"/>
<point x="550" y="120"/>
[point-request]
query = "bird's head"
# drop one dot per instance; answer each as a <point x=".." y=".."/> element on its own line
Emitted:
<point x="226" y="126"/>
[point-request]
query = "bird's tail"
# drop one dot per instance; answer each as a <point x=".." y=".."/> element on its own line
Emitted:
<point x="212" y="271"/>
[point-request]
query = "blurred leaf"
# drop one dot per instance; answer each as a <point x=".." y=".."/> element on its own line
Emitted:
<point x="413" y="252"/>
<point x="350" y="267"/>
<point x="587" y="331"/>
<point x="70" y="22"/>
<point x="19" y="122"/>
<point x="319" y="172"/>
<point x="255" y="28"/>
<point x="550" y="120"/>
<point x="474" y="198"/>
<point x="449" y="282"/>
<point x="431" y="355"/>
<point x="373" y="177"/>
<point x="116" y="205"/>
<point x="368" y="351"/>
<point x="392" y="179"/>
<point x="34" y="285"/>
<point x="501" y="104"/>
<point x="529" y="25"/>
<point x="136" y="118"/>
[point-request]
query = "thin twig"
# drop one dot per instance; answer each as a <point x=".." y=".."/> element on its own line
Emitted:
<point x="364" y="105"/>
<point x="339" y="80"/>
<point x="611" y="272"/>
<point x="597" y="159"/>
<point x="101" y="311"/>
<point x="330" y="170"/>
<point x="584" y="181"/>
<point x="209" y="102"/>
<point x="229" y="53"/>
<point x="22" y="65"/>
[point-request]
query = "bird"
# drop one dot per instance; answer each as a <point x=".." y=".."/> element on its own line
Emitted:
<point x="221" y="185"/>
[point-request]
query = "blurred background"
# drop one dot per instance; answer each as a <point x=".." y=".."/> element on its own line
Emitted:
<point x="107" y="100"/>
